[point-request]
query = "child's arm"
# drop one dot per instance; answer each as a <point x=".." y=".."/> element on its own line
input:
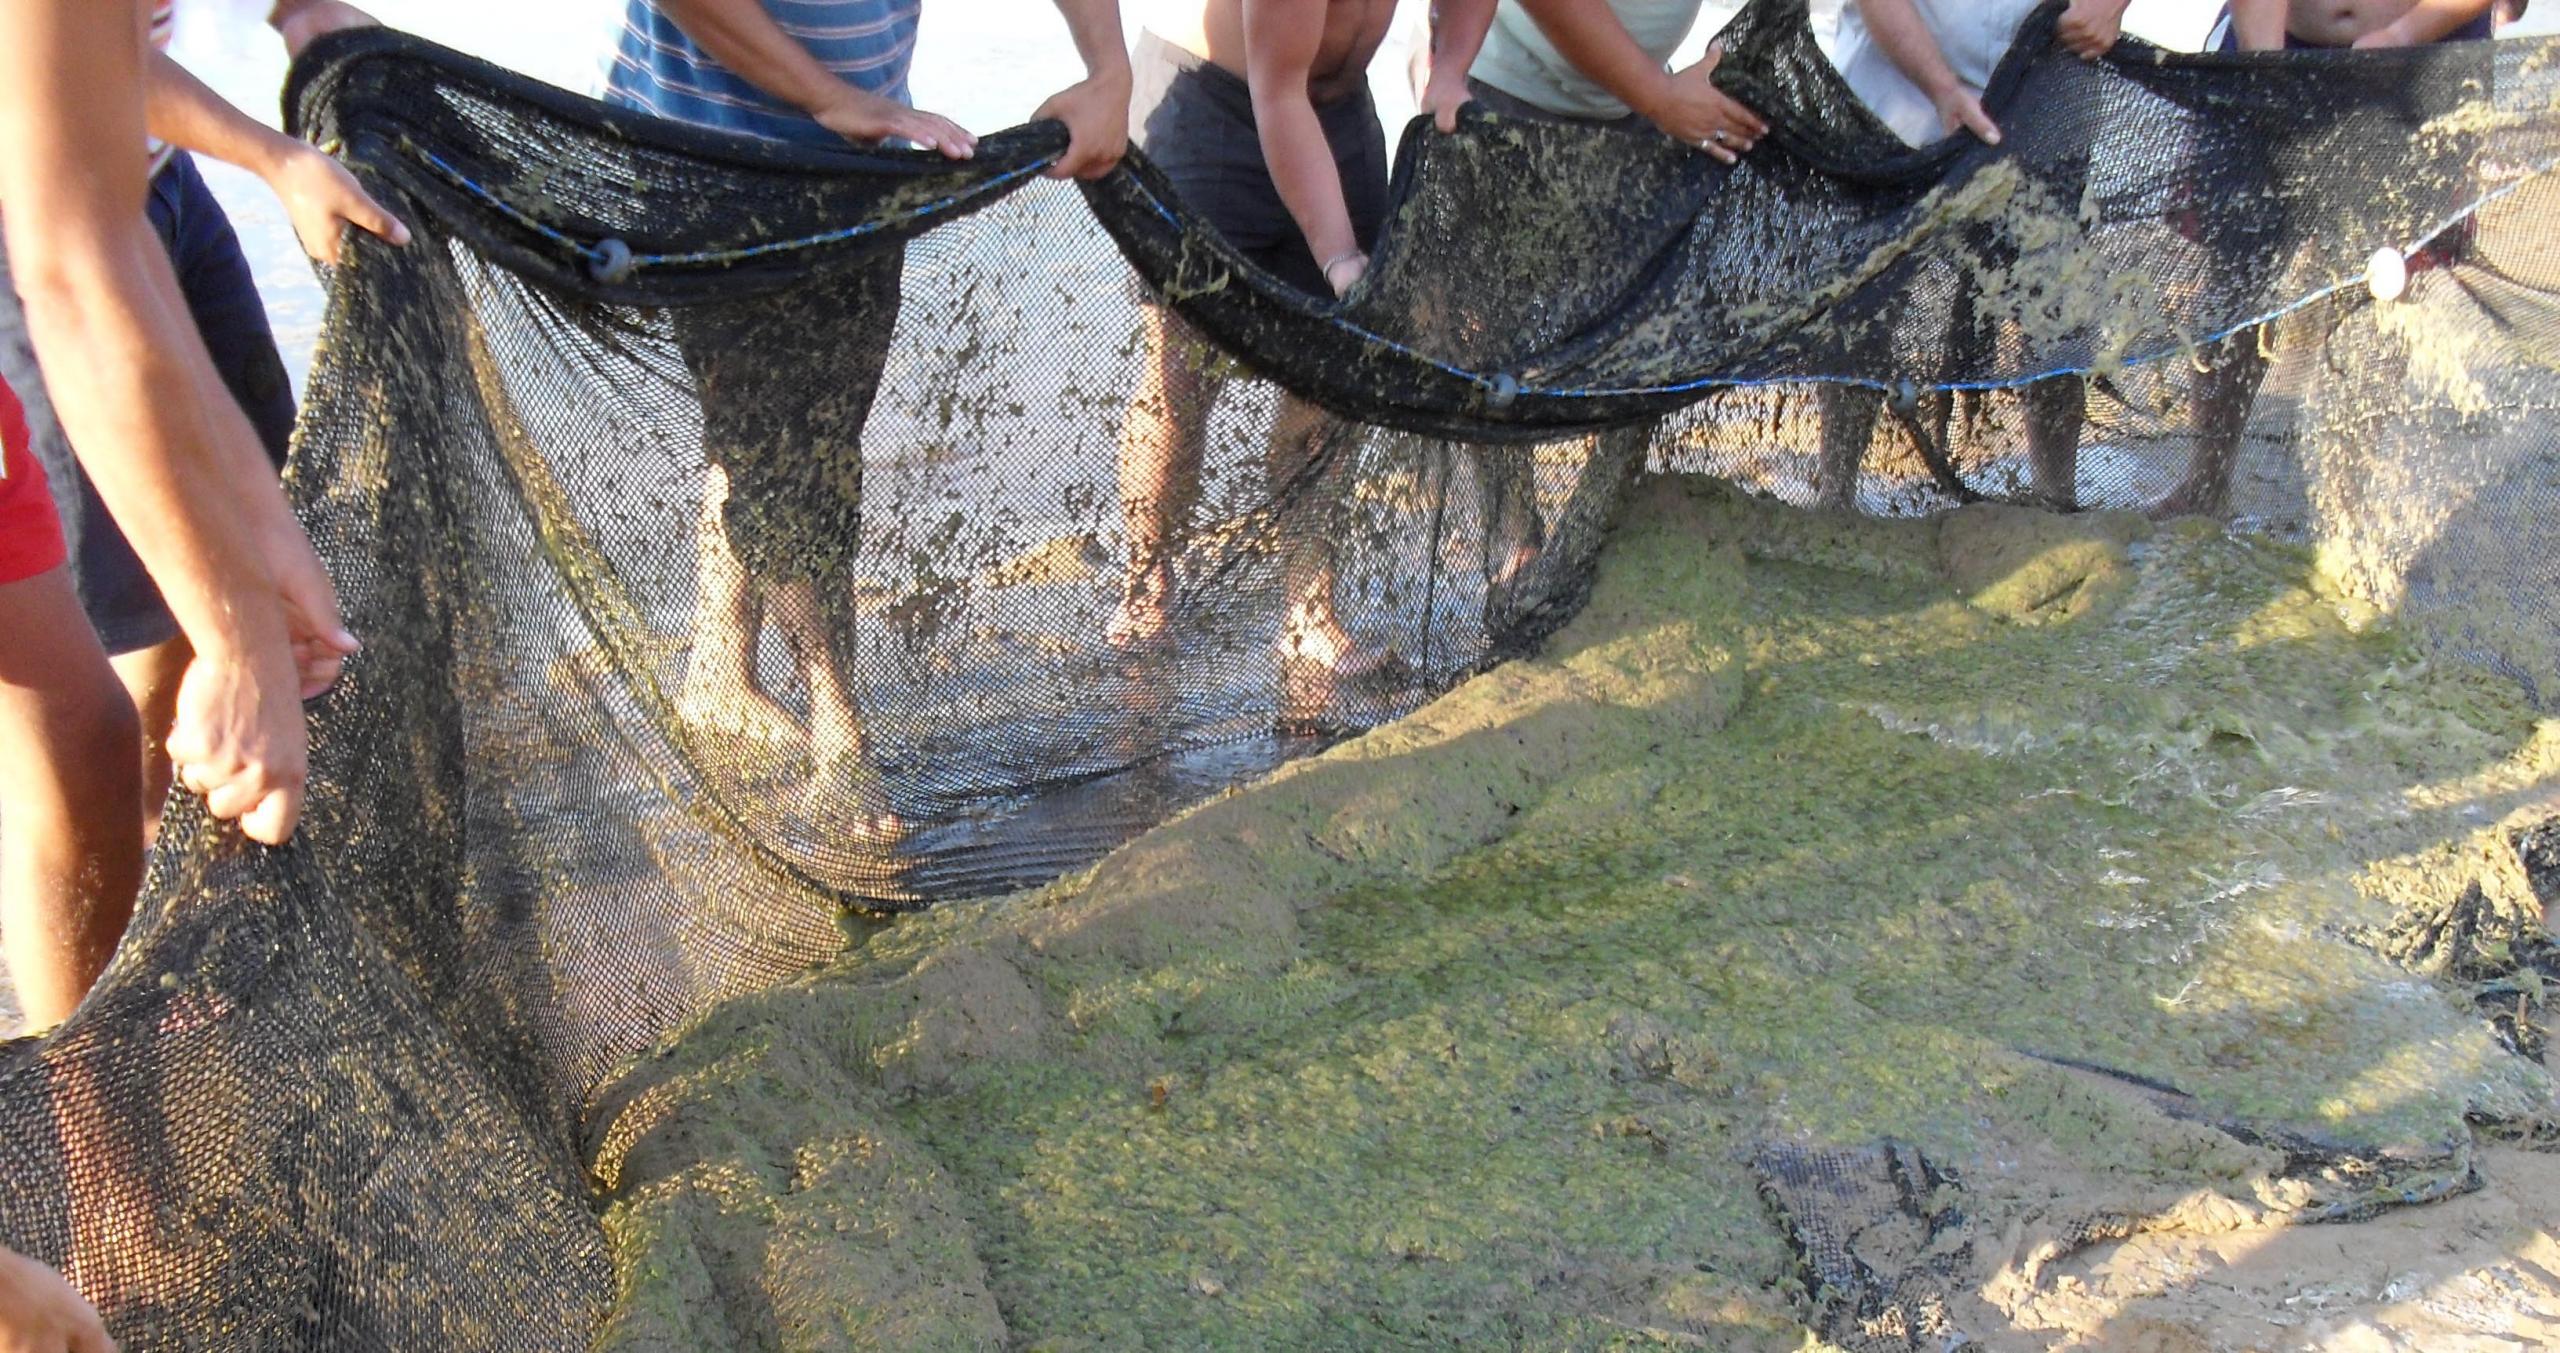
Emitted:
<point x="1280" y="42"/>
<point x="318" y="194"/>
<point x="1913" y="49"/>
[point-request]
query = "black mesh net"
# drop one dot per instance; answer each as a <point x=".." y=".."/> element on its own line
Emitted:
<point x="748" y="541"/>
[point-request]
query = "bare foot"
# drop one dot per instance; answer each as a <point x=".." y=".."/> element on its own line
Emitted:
<point x="724" y="699"/>
<point x="1314" y="636"/>
<point x="2189" y="499"/>
<point x="847" y="802"/>
<point x="1523" y="556"/>
<point x="1145" y="613"/>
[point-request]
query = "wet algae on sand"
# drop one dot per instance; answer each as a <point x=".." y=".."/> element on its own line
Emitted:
<point x="2080" y="862"/>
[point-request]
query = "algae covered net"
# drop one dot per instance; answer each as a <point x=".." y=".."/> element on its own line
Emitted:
<point x="748" y="541"/>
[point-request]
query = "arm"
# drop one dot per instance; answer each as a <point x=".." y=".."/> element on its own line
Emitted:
<point x="300" y="21"/>
<point x="2090" y="27"/>
<point x="740" y="35"/>
<point x="1907" y="42"/>
<point x="39" y="1311"/>
<point x="1457" y="34"/>
<point x="1686" y="105"/>
<point x="2426" y="21"/>
<point x="1096" y="108"/>
<point x="169" y="451"/>
<point x="2259" y="25"/>
<point x="1280" y="41"/>
<point x="318" y="194"/>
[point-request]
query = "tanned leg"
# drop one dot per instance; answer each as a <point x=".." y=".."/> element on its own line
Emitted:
<point x="150" y="678"/>
<point x="1162" y="443"/>
<point x="1848" y="425"/>
<point x="2056" y="410"/>
<point x="721" y="689"/>
<point x="70" y="794"/>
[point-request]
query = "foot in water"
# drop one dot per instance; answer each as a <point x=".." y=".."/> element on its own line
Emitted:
<point x="1314" y="637"/>
<point x="846" y="802"/>
<point x="724" y="698"/>
<point x="1145" y="614"/>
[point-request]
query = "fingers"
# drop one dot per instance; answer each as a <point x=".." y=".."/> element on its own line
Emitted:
<point x="1445" y="117"/>
<point x="1971" y="116"/>
<point x="369" y="217"/>
<point x="933" y="132"/>
<point x="272" y="820"/>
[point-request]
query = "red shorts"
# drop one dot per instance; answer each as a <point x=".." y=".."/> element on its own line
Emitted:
<point x="30" y="531"/>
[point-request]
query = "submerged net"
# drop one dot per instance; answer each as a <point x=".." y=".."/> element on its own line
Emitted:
<point x="343" y="1095"/>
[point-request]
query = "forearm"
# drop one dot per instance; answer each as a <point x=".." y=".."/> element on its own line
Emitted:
<point x="1591" y="37"/>
<point x="184" y="113"/>
<point x="2431" y="20"/>
<point x="124" y="365"/>
<point x="1907" y="42"/>
<point x="1302" y="168"/>
<point x="1457" y="34"/>
<point x="740" y="35"/>
<point x="178" y="468"/>
<point x="1095" y="27"/>
<point x="2258" y="25"/>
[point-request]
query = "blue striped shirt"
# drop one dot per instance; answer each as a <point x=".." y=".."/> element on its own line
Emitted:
<point x="657" y="69"/>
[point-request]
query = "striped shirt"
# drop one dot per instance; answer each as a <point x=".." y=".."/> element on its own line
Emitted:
<point x="657" y="69"/>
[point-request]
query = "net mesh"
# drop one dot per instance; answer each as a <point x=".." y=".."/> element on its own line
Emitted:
<point x="747" y="542"/>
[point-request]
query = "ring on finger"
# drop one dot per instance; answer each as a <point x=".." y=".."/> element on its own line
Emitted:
<point x="1717" y="136"/>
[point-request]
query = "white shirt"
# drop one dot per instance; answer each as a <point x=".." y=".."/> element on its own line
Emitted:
<point x="1972" y="34"/>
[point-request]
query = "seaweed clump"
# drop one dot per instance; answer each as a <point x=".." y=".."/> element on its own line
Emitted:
<point x="1842" y="922"/>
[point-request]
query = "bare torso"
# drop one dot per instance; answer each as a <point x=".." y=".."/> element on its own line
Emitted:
<point x="1353" y="32"/>
<point x="2338" y="23"/>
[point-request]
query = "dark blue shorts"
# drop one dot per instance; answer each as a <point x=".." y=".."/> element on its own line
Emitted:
<point x="123" y="603"/>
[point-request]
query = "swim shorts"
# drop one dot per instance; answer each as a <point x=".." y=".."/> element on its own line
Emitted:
<point x="1194" y="119"/>
<point x="30" y="531"/>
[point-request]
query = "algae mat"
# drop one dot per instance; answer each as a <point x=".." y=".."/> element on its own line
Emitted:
<point x="1841" y="926"/>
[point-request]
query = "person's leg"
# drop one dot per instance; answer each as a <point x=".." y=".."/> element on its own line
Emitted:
<point x="1162" y="442"/>
<point x="71" y="850"/>
<point x="2056" y="410"/>
<point x="1848" y="426"/>
<point x="2225" y="392"/>
<point x="150" y="677"/>
<point x="1311" y="631"/>
<point x="722" y="688"/>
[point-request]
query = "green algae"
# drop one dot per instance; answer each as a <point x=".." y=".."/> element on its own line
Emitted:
<point x="1809" y="831"/>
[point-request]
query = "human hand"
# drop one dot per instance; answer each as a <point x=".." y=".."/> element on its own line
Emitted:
<point x="40" y="1313"/>
<point x="1443" y="96"/>
<point x="320" y="197"/>
<point x="1960" y="109"/>
<point x="300" y="23"/>
<point x="1344" y="273"/>
<point x="1096" y="111"/>
<point x="314" y="628"/>
<point x="2090" y="28"/>
<point x="1691" y="110"/>
<point x="865" y="118"/>
<point x="239" y="739"/>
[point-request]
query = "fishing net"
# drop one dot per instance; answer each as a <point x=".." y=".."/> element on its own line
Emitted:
<point x="752" y="541"/>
